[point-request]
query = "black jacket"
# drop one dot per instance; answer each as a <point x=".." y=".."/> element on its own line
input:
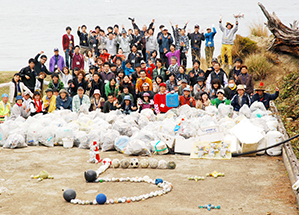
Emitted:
<point x="134" y="59"/>
<point x="30" y="83"/>
<point x="39" y="68"/>
<point x="100" y="86"/>
<point x="151" y="93"/>
<point x="193" y="80"/>
<point x="196" y="40"/>
<point x="83" y="84"/>
<point x="83" y="39"/>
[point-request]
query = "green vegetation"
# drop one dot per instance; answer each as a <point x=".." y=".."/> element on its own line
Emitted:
<point x="243" y="46"/>
<point x="258" y="65"/>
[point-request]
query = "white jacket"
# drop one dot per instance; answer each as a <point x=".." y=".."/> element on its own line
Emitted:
<point x="11" y="86"/>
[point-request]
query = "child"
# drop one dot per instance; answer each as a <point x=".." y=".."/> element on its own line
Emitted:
<point x="146" y="103"/>
<point x="18" y="109"/>
<point x="36" y="106"/>
<point x="127" y="106"/>
<point x="220" y="99"/>
<point x="215" y="86"/>
<point x="200" y="86"/>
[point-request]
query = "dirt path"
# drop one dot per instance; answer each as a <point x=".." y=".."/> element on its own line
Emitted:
<point x="251" y="185"/>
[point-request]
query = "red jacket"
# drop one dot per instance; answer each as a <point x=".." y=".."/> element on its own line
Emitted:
<point x="186" y="101"/>
<point x="105" y="57"/>
<point x="77" y="61"/>
<point x="160" y="103"/>
<point x="149" y="71"/>
<point x="66" y="41"/>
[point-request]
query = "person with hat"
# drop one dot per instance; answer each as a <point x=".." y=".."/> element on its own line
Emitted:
<point x="143" y="79"/>
<point x="146" y="89"/>
<point x="55" y="83"/>
<point x="77" y="59"/>
<point x="83" y="39"/>
<point x="220" y="99"/>
<point x="230" y="90"/>
<point x="97" y="102"/>
<point x="200" y="86"/>
<point x="93" y="42"/>
<point x="183" y="84"/>
<point x="49" y="101"/>
<point x="210" y="69"/>
<point x="265" y="98"/>
<point x="246" y="79"/>
<point x="16" y="87"/>
<point x="217" y="73"/>
<point x="27" y="75"/>
<point x="79" y="100"/>
<point x="18" y="109"/>
<point x="236" y="70"/>
<point x="145" y="102"/>
<point x="195" y="73"/>
<point x="240" y="99"/>
<point x="127" y="105"/>
<point x="186" y="99"/>
<point x="40" y="65"/>
<point x="36" y="106"/>
<point x="124" y="42"/>
<point x="164" y="40"/>
<point x="160" y="100"/>
<point x="63" y="100"/>
<point x="227" y="40"/>
<point x="203" y="101"/>
<point x="57" y="62"/>
<point x="135" y="56"/>
<point x="159" y="70"/>
<point x="209" y="44"/>
<point x="196" y="40"/>
<point x="68" y="46"/>
<point x="5" y="107"/>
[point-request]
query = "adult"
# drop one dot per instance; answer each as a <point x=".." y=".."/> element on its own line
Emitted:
<point x="124" y="42"/>
<point x="96" y="84"/>
<point x="172" y="83"/>
<point x="217" y="74"/>
<point x="16" y="88"/>
<point x="209" y="44"/>
<point x="148" y="70"/>
<point x="77" y="59"/>
<point x="49" y="101"/>
<point x="111" y="87"/>
<point x="56" y="62"/>
<point x="195" y="73"/>
<point x="230" y="90"/>
<point x="265" y="98"/>
<point x="5" y="108"/>
<point x="173" y="67"/>
<point x="28" y="75"/>
<point x="83" y="39"/>
<point x="135" y="56"/>
<point x="199" y="87"/>
<point x="18" y="109"/>
<point x="40" y="82"/>
<point x="143" y="79"/>
<point x="246" y="79"/>
<point x="146" y="90"/>
<point x="184" y="43"/>
<point x="186" y="99"/>
<point x="157" y="81"/>
<point x="93" y="42"/>
<point x="159" y="70"/>
<point x="183" y="85"/>
<point x="215" y="86"/>
<point x="203" y="101"/>
<point x="127" y="105"/>
<point x="227" y="40"/>
<point x="65" y="76"/>
<point x="151" y="43"/>
<point x="63" y="100"/>
<point x="68" y="46"/>
<point x="80" y="81"/>
<point x="107" y="74"/>
<point x="210" y="69"/>
<point x="36" y="106"/>
<point x="182" y="74"/>
<point x="125" y="92"/>
<point x="236" y="70"/>
<point x="79" y="100"/>
<point x="220" y="99"/>
<point x="110" y="104"/>
<point x="55" y="83"/>
<point x="40" y="65"/>
<point x="164" y="40"/>
<point x="175" y="53"/>
<point x="196" y="40"/>
<point x="240" y="99"/>
<point x="160" y="100"/>
<point x="111" y="44"/>
<point x="89" y="60"/>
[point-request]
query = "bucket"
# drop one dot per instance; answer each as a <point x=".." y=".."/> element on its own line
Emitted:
<point x="68" y="142"/>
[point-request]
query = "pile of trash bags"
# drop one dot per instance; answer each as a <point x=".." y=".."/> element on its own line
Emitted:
<point x="142" y="133"/>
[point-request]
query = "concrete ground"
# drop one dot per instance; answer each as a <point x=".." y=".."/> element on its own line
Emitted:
<point x="252" y="185"/>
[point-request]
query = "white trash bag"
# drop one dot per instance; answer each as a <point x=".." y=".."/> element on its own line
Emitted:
<point x="15" y="141"/>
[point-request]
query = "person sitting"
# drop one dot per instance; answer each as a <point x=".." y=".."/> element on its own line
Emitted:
<point x="18" y="109"/>
<point x="79" y="100"/>
<point x="236" y="70"/>
<point x="127" y="105"/>
<point x="159" y="70"/>
<point x="128" y="68"/>
<point x="79" y="81"/>
<point x="97" y="102"/>
<point x="125" y="92"/>
<point x="182" y="75"/>
<point x="63" y="101"/>
<point x="36" y="106"/>
<point x="173" y="68"/>
<point x="230" y="90"/>
<point x="106" y="75"/>
<point x="240" y="99"/>
<point x="49" y="101"/>
<point x="146" y="102"/>
<point x="148" y="70"/>
<point x="220" y="99"/>
<point x="65" y="76"/>
<point x="186" y="99"/>
<point x="200" y="86"/>
<point x="16" y="87"/>
<point x="55" y="92"/>
<point x="146" y="90"/>
<point x="172" y="83"/>
<point x="246" y="79"/>
<point x="110" y="104"/>
<point x="157" y="81"/>
<point x="127" y="82"/>
<point x="195" y="73"/>
<point x="96" y="83"/>
<point x="183" y="84"/>
<point x="143" y="79"/>
<point x="55" y="83"/>
<point x="215" y="86"/>
<point x="40" y="82"/>
<point x="26" y="103"/>
<point x="203" y="101"/>
<point x="160" y="100"/>
<point x="263" y="97"/>
<point x="217" y="74"/>
<point x="111" y="87"/>
<point x="5" y="107"/>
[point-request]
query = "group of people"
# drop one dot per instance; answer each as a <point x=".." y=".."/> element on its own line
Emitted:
<point x="119" y="70"/>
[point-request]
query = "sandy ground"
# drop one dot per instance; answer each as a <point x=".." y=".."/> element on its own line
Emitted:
<point x="252" y="185"/>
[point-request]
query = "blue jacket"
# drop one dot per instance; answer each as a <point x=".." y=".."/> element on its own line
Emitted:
<point x="265" y="99"/>
<point x="164" y="42"/>
<point x="209" y="38"/>
<point x="64" y="104"/>
<point x="235" y="101"/>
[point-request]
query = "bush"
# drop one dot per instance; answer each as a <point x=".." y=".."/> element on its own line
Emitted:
<point x="243" y="46"/>
<point x="259" y="30"/>
<point x="258" y="65"/>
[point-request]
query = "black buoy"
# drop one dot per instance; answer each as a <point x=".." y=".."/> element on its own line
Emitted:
<point x="69" y="194"/>
<point x="90" y="175"/>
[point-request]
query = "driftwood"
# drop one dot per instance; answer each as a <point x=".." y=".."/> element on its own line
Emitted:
<point x="286" y="39"/>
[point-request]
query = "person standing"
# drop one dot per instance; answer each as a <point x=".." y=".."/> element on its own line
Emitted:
<point x="83" y="37"/>
<point x="196" y="40"/>
<point x="93" y="42"/>
<point x="40" y="65"/>
<point x="227" y="40"/>
<point x="68" y="46"/>
<point x="160" y="100"/>
<point x="184" y="43"/>
<point x="217" y="74"/>
<point x="80" y="99"/>
<point x="111" y="44"/>
<point x="164" y="40"/>
<point x="56" y="62"/>
<point x="151" y="43"/>
<point x="246" y="80"/>
<point x="209" y="44"/>
<point x="27" y="75"/>
<point x="77" y="59"/>
<point x="124" y="42"/>
<point x="5" y="107"/>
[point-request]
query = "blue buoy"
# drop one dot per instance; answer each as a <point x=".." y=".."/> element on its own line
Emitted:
<point x="158" y="180"/>
<point x="101" y="198"/>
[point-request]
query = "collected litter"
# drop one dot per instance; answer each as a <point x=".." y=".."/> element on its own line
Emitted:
<point x="42" y="175"/>
<point x="209" y="207"/>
